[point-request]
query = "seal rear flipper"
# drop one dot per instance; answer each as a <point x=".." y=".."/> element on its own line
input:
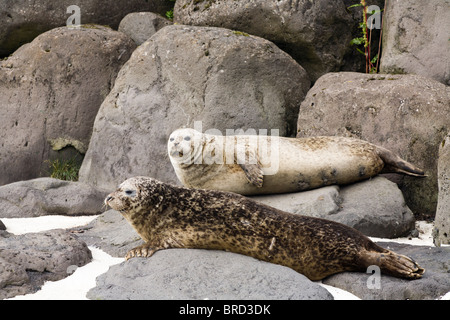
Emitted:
<point x="394" y="164"/>
<point x="394" y="264"/>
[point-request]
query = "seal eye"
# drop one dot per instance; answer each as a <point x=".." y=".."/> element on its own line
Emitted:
<point x="130" y="192"/>
<point x="187" y="138"/>
<point x="171" y="139"/>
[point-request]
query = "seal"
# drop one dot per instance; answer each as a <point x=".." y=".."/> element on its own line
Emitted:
<point x="250" y="164"/>
<point x="168" y="216"/>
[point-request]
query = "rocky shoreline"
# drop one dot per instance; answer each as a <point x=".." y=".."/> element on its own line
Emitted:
<point x="109" y="99"/>
<point x="196" y="274"/>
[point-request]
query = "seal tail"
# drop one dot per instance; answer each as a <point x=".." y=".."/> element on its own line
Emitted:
<point x="394" y="264"/>
<point x="395" y="164"/>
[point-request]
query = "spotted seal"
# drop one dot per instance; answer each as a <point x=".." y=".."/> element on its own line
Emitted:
<point x="168" y="216"/>
<point x="251" y="165"/>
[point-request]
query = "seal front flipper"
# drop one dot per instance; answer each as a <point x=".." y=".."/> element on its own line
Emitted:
<point x="251" y="166"/>
<point x="144" y="251"/>
<point x="253" y="174"/>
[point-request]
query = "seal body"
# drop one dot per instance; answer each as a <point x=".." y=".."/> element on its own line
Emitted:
<point x="252" y="165"/>
<point x="168" y="216"/>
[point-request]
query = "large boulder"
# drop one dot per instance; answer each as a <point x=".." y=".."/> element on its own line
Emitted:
<point x="442" y="221"/>
<point x="225" y="79"/>
<point x="27" y="261"/>
<point x="47" y="196"/>
<point x="140" y="26"/>
<point x="375" y="207"/>
<point x="193" y="274"/>
<point x="416" y="39"/>
<point x="51" y="91"/>
<point x="407" y="114"/>
<point x="22" y="20"/>
<point x="316" y="33"/>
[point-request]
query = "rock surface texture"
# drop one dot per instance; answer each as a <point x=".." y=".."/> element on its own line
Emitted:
<point x="227" y="81"/>
<point x="22" y="20"/>
<point x="416" y="39"/>
<point x="26" y="261"/>
<point x="315" y="33"/>
<point x="407" y="114"/>
<point x="375" y="207"/>
<point x="442" y="221"/>
<point x="204" y="274"/>
<point x="51" y="90"/>
<point x="47" y="196"/>
<point x="140" y="26"/>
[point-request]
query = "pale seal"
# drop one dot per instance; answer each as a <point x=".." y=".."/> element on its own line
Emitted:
<point x="168" y="216"/>
<point x="252" y="165"/>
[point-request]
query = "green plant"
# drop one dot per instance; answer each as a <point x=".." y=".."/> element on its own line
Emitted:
<point x="366" y="38"/>
<point x="240" y="33"/>
<point x="169" y="13"/>
<point x="64" y="169"/>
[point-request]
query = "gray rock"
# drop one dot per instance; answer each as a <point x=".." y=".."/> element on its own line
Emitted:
<point x="442" y="221"/>
<point x="48" y="196"/>
<point x="407" y="114"/>
<point x="22" y="20"/>
<point x="316" y="33"/>
<point x="51" y="91"/>
<point x="204" y="274"/>
<point x="26" y="261"/>
<point x="227" y="81"/>
<point x="111" y="233"/>
<point x="416" y="39"/>
<point x="140" y="26"/>
<point x="320" y="203"/>
<point x="375" y="207"/>
<point x="434" y="283"/>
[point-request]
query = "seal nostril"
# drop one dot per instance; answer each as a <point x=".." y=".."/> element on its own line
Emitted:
<point x="109" y="198"/>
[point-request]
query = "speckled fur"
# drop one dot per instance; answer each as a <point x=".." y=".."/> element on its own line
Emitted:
<point x="302" y="163"/>
<point x="167" y="216"/>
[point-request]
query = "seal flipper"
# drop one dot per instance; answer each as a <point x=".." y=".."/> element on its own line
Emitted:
<point x="394" y="164"/>
<point x="394" y="264"/>
<point x="251" y="167"/>
<point x="144" y="250"/>
<point x="254" y="174"/>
